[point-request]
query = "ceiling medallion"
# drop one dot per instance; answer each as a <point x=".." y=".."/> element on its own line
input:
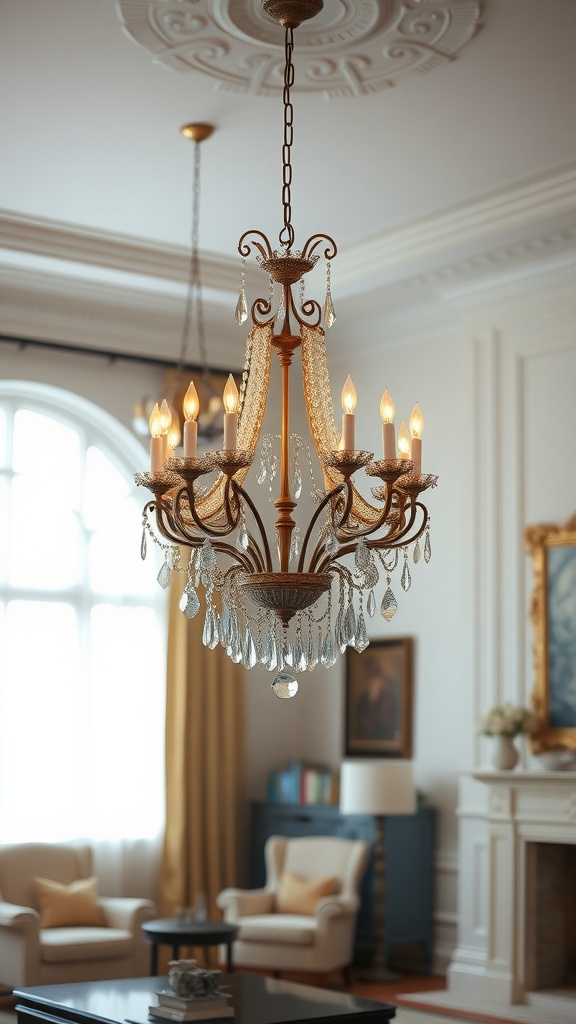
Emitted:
<point x="352" y="48"/>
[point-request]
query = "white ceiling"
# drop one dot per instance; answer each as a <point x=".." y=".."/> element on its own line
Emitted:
<point x="454" y="165"/>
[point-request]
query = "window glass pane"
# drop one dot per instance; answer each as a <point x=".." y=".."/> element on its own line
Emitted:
<point x="114" y="561"/>
<point x="105" y="488"/>
<point x="3" y="439"/>
<point x="4" y="528"/>
<point x="44" y="539"/>
<point x="127" y="701"/>
<point x="41" y="735"/>
<point x="48" y="451"/>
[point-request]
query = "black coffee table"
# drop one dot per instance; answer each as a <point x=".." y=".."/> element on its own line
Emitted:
<point x="174" y="932"/>
<point x="256" y="1000"/>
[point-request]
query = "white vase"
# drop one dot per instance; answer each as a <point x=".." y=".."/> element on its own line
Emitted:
<point x="504" y="754"/>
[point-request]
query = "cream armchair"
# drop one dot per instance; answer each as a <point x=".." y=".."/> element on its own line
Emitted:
<point x="31" y="954"/>
<point x="304" y="918"/>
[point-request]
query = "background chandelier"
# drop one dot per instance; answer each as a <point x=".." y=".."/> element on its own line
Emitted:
<point x="296" y="602"/>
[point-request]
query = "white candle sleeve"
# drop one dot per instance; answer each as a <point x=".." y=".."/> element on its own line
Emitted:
<point x="156" y="456"/>
<point x="389" y="440"/>
<point x="416" y="454"/>
<point x="190" y="439"/>
<point x="348" y="423"/>
<point x="230" y="430"/>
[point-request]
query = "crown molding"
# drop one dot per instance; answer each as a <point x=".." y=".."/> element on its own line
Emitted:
<point x="525" y="207"/>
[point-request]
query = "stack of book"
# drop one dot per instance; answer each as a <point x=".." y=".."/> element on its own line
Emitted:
<point x="184" y="1008"/>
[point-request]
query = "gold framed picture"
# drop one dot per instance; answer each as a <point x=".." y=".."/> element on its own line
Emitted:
<point x="553" y="616"/>
<point x="378" y="718"/>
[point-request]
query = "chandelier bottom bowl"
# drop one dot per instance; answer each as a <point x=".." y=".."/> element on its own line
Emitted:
<point x="286" y="593"/>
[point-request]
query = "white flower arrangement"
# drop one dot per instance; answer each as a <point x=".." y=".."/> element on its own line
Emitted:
<point x="507" y="720"/>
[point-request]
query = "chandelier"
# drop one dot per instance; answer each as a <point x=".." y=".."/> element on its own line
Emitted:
<point x="291" y="600"/>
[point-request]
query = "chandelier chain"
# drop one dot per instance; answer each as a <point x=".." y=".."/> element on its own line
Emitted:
<point x="287" y="234"/>
<point x="194" y="302"/>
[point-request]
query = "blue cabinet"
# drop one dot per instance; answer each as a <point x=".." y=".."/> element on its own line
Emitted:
<point x="409" y="872"/>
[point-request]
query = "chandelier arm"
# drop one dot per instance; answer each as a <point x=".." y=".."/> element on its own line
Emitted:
<point x="262" y="308"/>
<point x="240" y="557"/>
<point x="212" y="531"/>
<point x="264" y="247"/>
<point x="167" y="526"/>
<point x="314" y="241"/>
<point x="328" y="497"/>
<point x="400" y="539"/>
<point x="239" y="490"/>
<point x="309" y="308"/>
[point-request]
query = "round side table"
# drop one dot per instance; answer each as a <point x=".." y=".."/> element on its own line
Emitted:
<point x="174" y="932"/>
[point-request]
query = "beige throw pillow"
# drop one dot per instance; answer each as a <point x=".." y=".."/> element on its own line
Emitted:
<point x="297" y="895"/>
<point x="64" y="905"/>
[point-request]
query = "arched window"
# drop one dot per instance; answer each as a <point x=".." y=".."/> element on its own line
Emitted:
<point x="82" y="667"/>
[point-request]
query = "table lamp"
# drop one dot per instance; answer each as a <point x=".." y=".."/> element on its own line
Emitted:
<point x="380" y="788"/>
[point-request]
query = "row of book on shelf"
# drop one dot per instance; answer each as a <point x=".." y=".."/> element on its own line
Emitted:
<point x="302" y="783"/>
<point x="191" y="1008"/>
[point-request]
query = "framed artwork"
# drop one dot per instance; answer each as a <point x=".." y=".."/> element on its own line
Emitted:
<point x="378" y="718"/>
<point x="553" y="616"/>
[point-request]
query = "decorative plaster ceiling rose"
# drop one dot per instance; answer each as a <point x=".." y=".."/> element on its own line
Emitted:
<point x="350" y="48"/>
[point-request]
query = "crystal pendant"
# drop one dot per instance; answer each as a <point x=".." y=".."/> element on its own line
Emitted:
<point x="225" y="624"/>
<point x="285" y="685"/>
<point x="262" y="474"/>
<point x="389" y="605"/>
<point x="328" y="654"/>
<point x="164" y="575"/>
<point x="331" y="543"/>
<point x="362" y="556"/>
<point x="349" y="625"/>
<point x="297" y="482"/>
<point x="405" y="578"/>
<point x="271" y="655"/>
<point x="339" y="631"/>
<point x="241" y="309"/>
<point x="143" y="545"/>
<point x="427" y="548"/>
<point x="328" y="314"/>
<point x="361" y="640"/>
<point x="300" y="662"/>
<point x="311" y="654"/>
<point x="249" y="657"/>
<point x="208" y="630"/>
<point x="236" y="648"/>
<point x="190" y="603"/>
<point x="371" y="575"/>
<point x="207" y="555"/>
<point x="371" y="606"/>
<point x="243" y="539"/>
<point x="416" y="555"/>
<point x="295" y="544"/>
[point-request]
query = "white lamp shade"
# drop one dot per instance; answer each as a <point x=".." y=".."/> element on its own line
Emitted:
<point x="377" y="787"/>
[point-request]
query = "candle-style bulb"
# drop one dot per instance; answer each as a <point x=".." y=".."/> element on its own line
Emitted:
<point x="230" y="396"/>
<point x="348" y="395"/>
<point x="165" y="418"/>
<point x="403" y="441"/>
<point x="416" y="422"/>
<point x="174" y="435"/>
<point x="387" y="407"/>
<point x="191" y="404"/>
<point x="155" y="421"/>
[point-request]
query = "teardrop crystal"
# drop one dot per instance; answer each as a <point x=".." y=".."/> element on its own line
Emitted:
<point x="361" y="641"/>
<point x="371" y="606"/>
<point x="249" y="657"/>
<point x="241" y="309"/>
<point x="416" y="554"/>
<point x="143" y="545"/>
<point x="192" y="605"/>
<point x="207" y="555"/>
<point x="362" y="555"/>
<point x="389" y="605"/>
<point x="225" y="623"/>
<point x="164" y="575"/>
<point x="406" y="578"/>
<point x="285" y="685"/>
<point x="427" y="548"/>
<point x="328" y="654"/>
<point x="208" y="630"/>
<point x="328" y="314"/>
<point x="331" y="543"/>
<point x="243" y="539"/>
<point x="349" y="625"/>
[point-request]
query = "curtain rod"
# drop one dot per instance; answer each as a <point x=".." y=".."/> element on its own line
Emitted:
<point x="129" y="357"/>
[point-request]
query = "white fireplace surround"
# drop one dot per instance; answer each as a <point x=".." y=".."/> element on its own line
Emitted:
<point x="501" y="816"/>
<point x="521" y="808"/>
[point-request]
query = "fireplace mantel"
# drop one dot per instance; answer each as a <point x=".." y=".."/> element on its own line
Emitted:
<point x="505" y="815"/>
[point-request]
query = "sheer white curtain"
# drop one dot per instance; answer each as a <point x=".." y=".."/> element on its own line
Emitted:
<point x="82" y="635"/>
